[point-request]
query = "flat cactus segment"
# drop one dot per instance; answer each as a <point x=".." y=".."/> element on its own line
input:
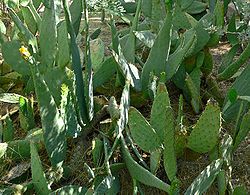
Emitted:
<point x="241" y="85"/>
<point x="145" y="37"/>
<point x="76" y="9"/>
<point x="139" y="173"/>
<point x="196" y="7"/>
<point x="180" y="19"/>
<point x="146" y="7"/>
<point x="54" y="83"/>
<point x="69" y="114"/>
<point x="129" y="71"/>
<point x="185" y="3"/>
<point x="206" y="132"/>
<point x="169" y="158"/>
<point x="155" y="160"/>
<point x="219" y="22"/>
<point x="158" y="119"/>
<point x="29" y="37"/>
<point x="195" y="93"/>
<point x="205" y="179"/>
<point x="158" y="53"/>
<point x="97" y="49"/>
<point x="142" y="132"/>
<point x="48" y="36"/>
<point x="29" y="19"/>
<point x="38" y="176"/>
<point x="19" y="150"/>
<point x="63" y="45"/>
<point x="70" y="190"/>
<point x="229" y="58"/>
<point x="222" y="183"/>
<point x="173" y="63"/>
<point x="226" y="149"/>
<point x="219" y="13"/>
<point x="232" y="37"/>
<point x="13" y="58"/>
<point x="8" y="130"/>
<point x="234" y="67"/>
<point x="124" y="107"/>
<point x="169" y="155"/>
<point x="130" y="46"/>
<point x="52" y="122"/>
<point x="202" y="36"/>
<point x="207" y="65"/>
<point x="180" y="143"/>
<point x="106" y="71"/>
<point x="244" y="129"/>
<point x="76" y="67"/>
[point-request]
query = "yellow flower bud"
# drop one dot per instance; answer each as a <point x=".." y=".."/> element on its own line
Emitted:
<point x="24" y="51"/>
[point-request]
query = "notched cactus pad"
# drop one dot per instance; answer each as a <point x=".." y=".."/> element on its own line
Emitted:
<point x="206" y="132"/>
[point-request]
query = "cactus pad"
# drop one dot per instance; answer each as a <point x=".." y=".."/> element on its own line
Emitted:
<point x="38" y="176"/>
<point x="206" y="132"/>
<point x="158" y="118"/>
<point x="142" y="132"/>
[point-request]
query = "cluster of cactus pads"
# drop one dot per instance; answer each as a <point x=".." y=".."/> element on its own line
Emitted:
<point x="162" y="135"/>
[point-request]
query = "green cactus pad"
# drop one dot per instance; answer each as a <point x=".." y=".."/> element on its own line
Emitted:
<point x="207" y="66"/>
<point x="190" y="63"/>
<point x="19" y="150"/>
<point x="169" y="158"/>
<point x="155" y="160"/>
<point x="139" y="173"/>
<point x="129" y="49"/>
<point x="226" y="149"/>
<point x="244" y="129"/>
<point x="158" y="53"/>
<point x="129" y="71"/>
<point x="175" y="59"/>
<point x="29" y="19"/>
<point x="193" y="85"/>
<point x="38" y="176"/>
<point x="206" y="132"/>
<point x="63" y="45"/>
<point x="70" y="190"/>
<point x="169" y="155"/>
<point x="205" y="179"/>
<point x="48" y="36"/>
<point x="142" y="132"/>
<point x="180" y="143"/>
<point x="158" y="119"/>
<point x="13" y="58"/>
<point x="234" y="67"/>
<point x="52" y="122"/>
<point x="222" y="183"/>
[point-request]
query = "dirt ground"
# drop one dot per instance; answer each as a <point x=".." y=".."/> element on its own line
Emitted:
<point x="187" y="170"/>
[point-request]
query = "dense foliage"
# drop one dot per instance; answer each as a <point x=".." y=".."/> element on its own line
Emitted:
<point x="167" y="43"/>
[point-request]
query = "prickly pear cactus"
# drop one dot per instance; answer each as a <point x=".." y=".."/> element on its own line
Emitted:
<point x="207" y="63"/>
<point x="158" y="113"/>
<point x="113" y="109"/>
<point x="206" y="132"/>
<point x="180" y="143"/>
<point x="38" y="176"/>
<point x="142" y="132"/>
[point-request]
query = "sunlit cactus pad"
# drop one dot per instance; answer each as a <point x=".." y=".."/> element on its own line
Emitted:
<point x="206" y="133"/>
